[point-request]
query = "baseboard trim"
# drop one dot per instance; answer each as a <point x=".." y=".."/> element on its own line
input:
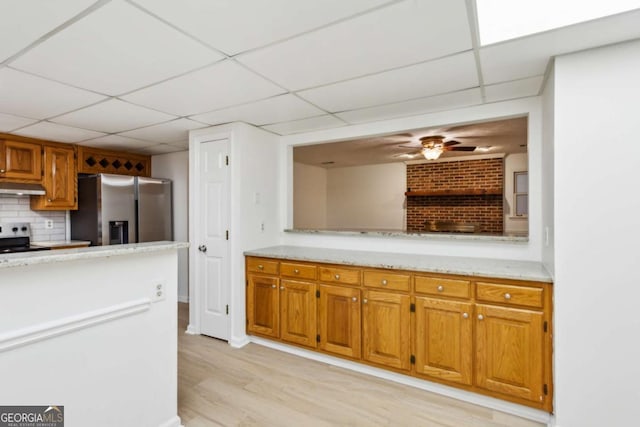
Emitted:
<point x="69" y="324"/>
<point x="172" y="422"/>
<point x="465" y="396"/>
<point x="239" y="342"/>
<point x="191" y="330"/>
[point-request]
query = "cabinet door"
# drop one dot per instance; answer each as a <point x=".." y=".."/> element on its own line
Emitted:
<point x="60" y="180"/>
<point x="386" y="329"/>
<point x="509" y="351"/>
<point x="20" y="160"/>
<point x="298" y="312"/>
<point x="444" y="340"/>
<point x="339" y="317"/>
<point x="262" y="305"/>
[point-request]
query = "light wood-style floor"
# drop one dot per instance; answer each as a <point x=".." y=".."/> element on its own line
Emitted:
<point x="258" y="386"/>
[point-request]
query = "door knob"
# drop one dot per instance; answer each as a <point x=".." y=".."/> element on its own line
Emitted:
<point x="202" y="248"/>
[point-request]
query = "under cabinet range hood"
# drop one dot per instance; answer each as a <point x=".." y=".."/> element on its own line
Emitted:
<point x="20" y="189"/>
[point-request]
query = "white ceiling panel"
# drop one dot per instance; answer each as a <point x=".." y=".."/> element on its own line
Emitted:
<point x="218" y="86"/>
<point x="430" y="78"/>
<point x="113" y="116"/>
<point x="115" y="142"/>
<point x="403" y="33"/>
<point x="175" y="130"/>
<point x="56" y="132"/>
<point x="515" y="89"/>
<point x="305" y="125"/>
<point x="24" y="22"/>
<point x="234" y="26"/>
<point x="9" y="122"/>
<point x="30" y="96"/>
<point x="181" y="144"/>
<point x="528" y="56"/>
<point x="159" y="149"/>
<point x="115" y="50"/>
<point x="281" y="108"/>
<point x="444" y="102"/>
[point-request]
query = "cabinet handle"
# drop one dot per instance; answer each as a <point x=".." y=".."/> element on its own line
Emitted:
<point x="384" y="282"/>
<point x="364" y="301"/>
<point x="354" y="299"/>
<point x="2" y="171"/>
<point x="440" y="288"/>
<point x="465" y="315"/>
<point x="507" y="296"/>
<point x="261" y="267"/>
<point x="282" y="288"/>
<point x="480" y="317"/>
<point x="273" y="286"/>
<point x="49" y="200"/>
<point x="337" y="276"/>
<point x="296" y="271"/>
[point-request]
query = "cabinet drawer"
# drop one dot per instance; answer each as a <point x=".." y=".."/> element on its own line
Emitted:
<point x="386" y="280"/>
<point x="347" y="276"/>
<point x="510" y="294"/>
<point x="258" y="265"/>
<point x="443" y="287"/>
<point x="302" y="271"/>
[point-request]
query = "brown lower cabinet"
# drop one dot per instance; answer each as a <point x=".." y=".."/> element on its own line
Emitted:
<point x="486" y="335"/>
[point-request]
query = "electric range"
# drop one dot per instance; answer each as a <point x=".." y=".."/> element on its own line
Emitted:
<point x="15" y="237"/>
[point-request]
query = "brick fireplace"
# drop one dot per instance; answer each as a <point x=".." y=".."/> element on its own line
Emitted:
<point x="465" y="192"/>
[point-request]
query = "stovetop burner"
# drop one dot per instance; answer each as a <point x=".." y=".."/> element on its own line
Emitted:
<point x="15" y="237"/>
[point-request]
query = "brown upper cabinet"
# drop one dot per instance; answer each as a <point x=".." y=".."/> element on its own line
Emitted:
<point x="59" y="180"/>
<point x="20" y="160"/>
<point x="94" y="160"/>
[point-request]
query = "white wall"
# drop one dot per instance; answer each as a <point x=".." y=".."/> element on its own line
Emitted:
<point x="309" y="196"/>
<point x="597" y="232"/>
<point x="517" y="162"/>
<point x="175" y="166"/>
<point x="548" y="99"/>
<point x="530" y="250"/>
<point x="85" y="334"/>
<point x="369" y="197"/>
<point x="16" y="209"/>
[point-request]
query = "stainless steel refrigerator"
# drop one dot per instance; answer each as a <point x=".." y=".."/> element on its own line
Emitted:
<point x="118" y="209"/>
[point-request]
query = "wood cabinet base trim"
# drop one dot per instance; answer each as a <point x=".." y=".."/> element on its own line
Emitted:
<point x="473" y="397"/>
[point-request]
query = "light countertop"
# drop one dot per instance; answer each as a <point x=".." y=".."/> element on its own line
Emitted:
<point x="43" y="257"/>
<point x="483" y="267"/>
<point x="62" y="243"/>
<point x="416" y="235"/>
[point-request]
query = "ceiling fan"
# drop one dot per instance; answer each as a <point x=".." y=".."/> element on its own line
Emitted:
<point x="434" y="146"/>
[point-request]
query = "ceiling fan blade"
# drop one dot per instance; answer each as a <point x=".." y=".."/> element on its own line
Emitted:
<point x="467" y="148"/>
<point x="412" y="154"/>
<point x="450" y="143"/>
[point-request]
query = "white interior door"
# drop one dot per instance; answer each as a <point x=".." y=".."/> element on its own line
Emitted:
<point x="213" y="262"/>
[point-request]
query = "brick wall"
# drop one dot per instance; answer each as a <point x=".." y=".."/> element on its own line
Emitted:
<point x="484" y="210"/>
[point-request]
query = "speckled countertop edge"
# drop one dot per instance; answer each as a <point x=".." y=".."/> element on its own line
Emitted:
<point x="480" y="267"/>
<point x="62" y="255"/>
<point x="413" y="236"/>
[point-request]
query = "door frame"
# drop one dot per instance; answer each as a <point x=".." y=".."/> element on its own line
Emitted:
<point x="196" y="289"/>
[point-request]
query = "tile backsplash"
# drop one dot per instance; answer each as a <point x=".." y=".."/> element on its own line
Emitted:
<point x="16" y="209"/>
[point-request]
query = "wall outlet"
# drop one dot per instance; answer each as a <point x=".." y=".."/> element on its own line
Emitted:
<point x="158" y="291"/>
<point x="48" y="224"/>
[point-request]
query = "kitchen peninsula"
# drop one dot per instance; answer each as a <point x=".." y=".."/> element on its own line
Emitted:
<point x="92" y="329"/>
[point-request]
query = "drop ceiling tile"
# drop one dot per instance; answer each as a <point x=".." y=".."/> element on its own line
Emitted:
<point x="25" y="22"/>
<point x="305" y="125"/>
<point x="227" y="26"/>
<point x="159" y="149"/>
<point x="29" y="96"/>
<point x="529" y="56"/>
<point x="175" y="130"/>
<point x="115" y="142"/>
<point x="280" y="108"/>
<point x="221" y="85"/>
<point x="430" y="78"/>
<point x="114" y="50"/>
<point x="430" y="104"/>
<point x="401" y="34"/>
<point x="514" y="89"/>
<point x="181" y="144"/>
<point x="9" y="122"/>
<point x="56" y="132"/>
<point x="113" y="116"/>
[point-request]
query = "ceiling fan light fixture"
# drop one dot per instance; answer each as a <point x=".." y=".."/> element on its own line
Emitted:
<point x="432" y="153"/>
